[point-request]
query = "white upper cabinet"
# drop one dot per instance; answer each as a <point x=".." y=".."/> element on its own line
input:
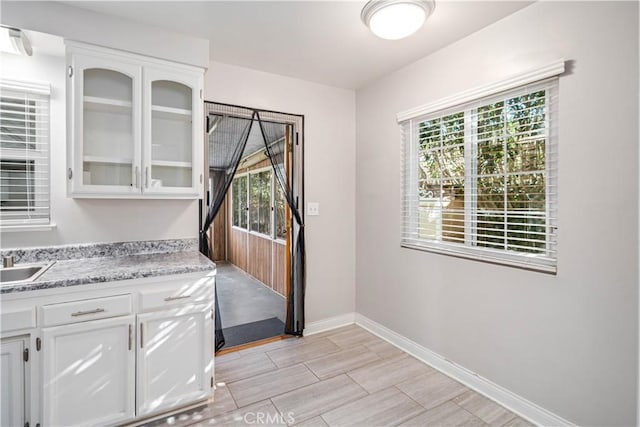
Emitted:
<point x="135" y="127"/>
<point x="106" y="131"/>
<point x="170" y="130"/>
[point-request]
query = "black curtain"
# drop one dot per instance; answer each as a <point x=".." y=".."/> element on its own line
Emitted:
<point x="275" y="134"/>
<point x="231" y="127"/>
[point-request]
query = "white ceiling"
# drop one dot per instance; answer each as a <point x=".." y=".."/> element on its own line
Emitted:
<point x="321" y="41"/>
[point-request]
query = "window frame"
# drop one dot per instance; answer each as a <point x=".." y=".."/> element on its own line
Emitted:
<point x="272" y="221"/>
<point x="246" y="196"/>
<point x="276" y="188"/>
<point x="409" y="120"/>
<point x="40" y="92"/>
<point x="271" y="224"/>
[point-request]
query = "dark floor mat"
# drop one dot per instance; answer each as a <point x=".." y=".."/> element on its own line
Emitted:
<point x="254" y="331"/>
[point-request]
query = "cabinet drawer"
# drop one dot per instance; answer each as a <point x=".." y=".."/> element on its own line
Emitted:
<point x="176" y="294"/>
<point x="13" y="320"/>
<point x="83" y="310"/>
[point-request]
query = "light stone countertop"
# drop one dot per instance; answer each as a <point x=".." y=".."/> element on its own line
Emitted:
<point x="108" y="268"/>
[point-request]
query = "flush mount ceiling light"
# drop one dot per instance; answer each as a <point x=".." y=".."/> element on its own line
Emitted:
<point x="12" y="40"/>
<point x="396" y="19"/>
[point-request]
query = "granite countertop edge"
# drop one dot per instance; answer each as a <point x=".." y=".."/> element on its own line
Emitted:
<point x="76" y="272"/>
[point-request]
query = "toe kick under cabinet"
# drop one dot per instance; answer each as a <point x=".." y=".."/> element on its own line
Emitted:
<point x="134" y="125"/>
<point x="107" y="354"/>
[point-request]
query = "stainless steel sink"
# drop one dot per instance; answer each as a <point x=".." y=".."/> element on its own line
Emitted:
<point x="22" y="273"/>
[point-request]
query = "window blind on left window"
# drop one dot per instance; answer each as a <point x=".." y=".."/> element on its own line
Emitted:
<point x="24" y="153"/>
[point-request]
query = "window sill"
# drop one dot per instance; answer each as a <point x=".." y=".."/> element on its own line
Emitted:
<point x="485" y="257"/>
<point x="27" y="228"/>
<point x="261" y="235"/>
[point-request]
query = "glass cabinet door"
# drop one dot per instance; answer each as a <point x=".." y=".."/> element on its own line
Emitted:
<point x="172" y="133"/>
<point x="108" y="128"/>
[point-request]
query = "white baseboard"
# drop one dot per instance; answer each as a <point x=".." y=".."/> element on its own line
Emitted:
<point x="330" y="323"/>
<point x="517" y="404"/>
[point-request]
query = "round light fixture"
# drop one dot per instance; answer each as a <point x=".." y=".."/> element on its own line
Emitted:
<point x="396" y="19"/>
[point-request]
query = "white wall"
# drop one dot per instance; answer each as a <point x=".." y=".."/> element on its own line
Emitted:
<point x="90" y="27"/>
<point x="329" y="173"/>
<point x="78" y="220"/>
<point x="567" y="342"/>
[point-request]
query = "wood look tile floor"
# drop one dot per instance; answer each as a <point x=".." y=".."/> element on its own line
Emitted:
<point x="343" y="377"/>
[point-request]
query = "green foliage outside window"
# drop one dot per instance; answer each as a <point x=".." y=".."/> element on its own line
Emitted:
<point x="506" y="141"/>
<point x="260" y="202"/>
<point x="280" y="218"/>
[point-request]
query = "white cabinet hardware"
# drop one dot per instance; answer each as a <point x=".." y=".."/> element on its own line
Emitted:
<point x="174" y="298"/>
<point x="85" y="313"/>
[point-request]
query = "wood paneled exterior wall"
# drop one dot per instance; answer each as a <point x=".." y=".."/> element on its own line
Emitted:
<point x="279" y="283"/>
<point x="259" y="258"/>
<point x="217" y="234"/>
<point x="237" y="247"/>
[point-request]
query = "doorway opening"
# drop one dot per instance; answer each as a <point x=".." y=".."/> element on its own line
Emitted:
<point x="254" y="237"/>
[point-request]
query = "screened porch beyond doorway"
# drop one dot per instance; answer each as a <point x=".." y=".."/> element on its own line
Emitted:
<point x="248" y="241"/>
<point x="249" y="311"/>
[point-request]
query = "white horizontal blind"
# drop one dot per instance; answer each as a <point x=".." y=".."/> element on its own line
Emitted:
<point x="24" y="154"/>
<point x="480" y="178"/>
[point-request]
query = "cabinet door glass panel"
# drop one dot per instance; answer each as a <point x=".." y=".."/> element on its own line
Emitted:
<point x="108" y="142"/>
<point x="171" y="135"/>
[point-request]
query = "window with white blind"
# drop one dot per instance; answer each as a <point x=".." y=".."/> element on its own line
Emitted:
<point x="24" y="154"/>
<point x="479" y="178"/>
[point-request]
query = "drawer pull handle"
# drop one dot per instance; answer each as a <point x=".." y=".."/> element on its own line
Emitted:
<point x="177" y="297"/>
<point x="84" y="313"/>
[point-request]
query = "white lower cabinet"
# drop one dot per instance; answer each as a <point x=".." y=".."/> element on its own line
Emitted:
<point x="111" y="355"/>
<point x="174" y="357"/>
<point x="12" y="386"/>
<point x="88" y="373"/>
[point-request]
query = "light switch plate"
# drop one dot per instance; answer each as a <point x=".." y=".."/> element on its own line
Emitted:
<point x="313" y="208"/>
